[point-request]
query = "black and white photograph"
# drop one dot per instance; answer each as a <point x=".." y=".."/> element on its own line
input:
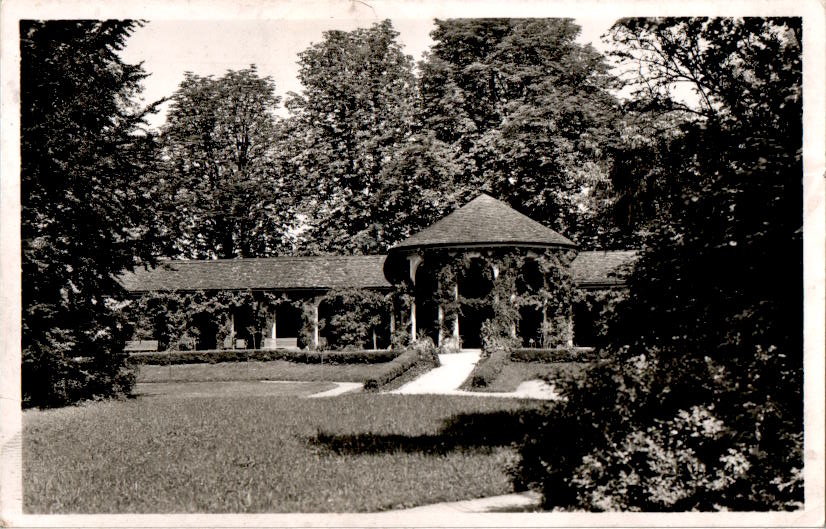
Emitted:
<point x="412" y="264"/>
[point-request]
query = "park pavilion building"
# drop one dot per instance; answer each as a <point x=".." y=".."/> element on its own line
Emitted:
<point x="442" y="283"/>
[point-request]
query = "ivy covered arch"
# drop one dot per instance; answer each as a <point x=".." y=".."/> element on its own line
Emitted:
<point x="465" y="298"/>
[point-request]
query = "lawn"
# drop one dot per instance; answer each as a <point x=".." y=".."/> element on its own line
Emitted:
<point x="230" y="389"/>
<point x="514" y="373"/>
<point x="267" y="453"/>
<point x="270" y="370"/>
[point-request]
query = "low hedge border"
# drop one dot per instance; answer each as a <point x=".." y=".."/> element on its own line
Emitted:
<point x="558" y="354"/>
<point x="263" y="355"/>
<point x="489" y="368"/>
<point x="422" y="355"/>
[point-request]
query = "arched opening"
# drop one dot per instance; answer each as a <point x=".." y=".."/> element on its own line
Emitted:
<point x="427" y="309"/>
<point x="530" y="281"/>
<point x="287" y="326"/>
<point x="248" y="335"/>
<point x="207" y="330"/>
<point x="475" y="282"/>
<point x="585" y="324"/>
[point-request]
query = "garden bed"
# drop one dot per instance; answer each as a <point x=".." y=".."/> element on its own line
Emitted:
<point x="416" y="360"/>
<point x="243" y="355"/>
<point x="556" y="354"/>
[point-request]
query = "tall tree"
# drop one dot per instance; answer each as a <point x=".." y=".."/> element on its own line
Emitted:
<point x="86" y="206"/>
<point x="699" y="405"/>
<point x="354" y="112"/>
<point x="528" y="112"/>
<point x="227" y="196"/>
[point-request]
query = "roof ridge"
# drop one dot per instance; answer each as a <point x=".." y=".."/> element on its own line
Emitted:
<point x="486" y="220"/>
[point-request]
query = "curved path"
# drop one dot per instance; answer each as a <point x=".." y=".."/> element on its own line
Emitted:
<point x="456" y="367"/>
<point x="507" y="502"/>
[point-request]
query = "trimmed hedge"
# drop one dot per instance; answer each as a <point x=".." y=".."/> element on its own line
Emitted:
<point x="558" y="354"/>
<point x="489" y="368"/>
<point x="242" y="355"/>
<point x="419" y="353"/>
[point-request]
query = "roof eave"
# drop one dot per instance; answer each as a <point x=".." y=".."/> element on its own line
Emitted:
<point x="497" y="244"/>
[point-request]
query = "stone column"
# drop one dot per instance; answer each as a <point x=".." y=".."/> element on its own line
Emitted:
<point x="544" y="321"/>
<point x="441" y="322"/>
<point x="570" y="326"/>
<point x="414" y="261"/>
<point x="513" y="324"/>
<point x="413" y="319"/>
<point x="316" y="303"/>
<point x="456" y="318"/>
<point x="229" y="341"/>
<point x="270" y="342"/>
<point x="392" y="324"/>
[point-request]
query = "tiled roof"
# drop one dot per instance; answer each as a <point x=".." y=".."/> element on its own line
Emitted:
<point x="272" y="273"/>
<point x="485" y="221"/>
<point x="602" y="268"/>
<point x="589" y="269"/>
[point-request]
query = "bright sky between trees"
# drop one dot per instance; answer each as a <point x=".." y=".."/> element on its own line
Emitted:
<point x="168" y="48"/>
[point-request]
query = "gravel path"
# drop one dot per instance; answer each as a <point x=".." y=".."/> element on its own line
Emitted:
<point x="454" y="369"/>
<point x="340" y="389"/>
<point x="506" y="502"/>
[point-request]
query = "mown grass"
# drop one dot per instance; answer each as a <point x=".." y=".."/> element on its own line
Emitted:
<point x="233" y="388"/>
<point x="514" y="373"/>
<point x="353" y="453"/>
<point x="271" y="370"/>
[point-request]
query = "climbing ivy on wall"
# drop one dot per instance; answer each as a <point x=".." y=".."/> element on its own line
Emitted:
<point x="352" y="316"/>
<point x="356" y="318"/>
<point x="601" y="304"/>
<point x="172" y="317"/>
<point x="510" y="291"/>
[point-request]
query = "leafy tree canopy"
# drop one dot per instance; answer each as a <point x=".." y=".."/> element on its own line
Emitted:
<point x="354" y="113"/>
<point x="226" y="195"/>
<point x="86" y="205"/>
<point x="529" y="115"/>
<point x="699" y="402"/>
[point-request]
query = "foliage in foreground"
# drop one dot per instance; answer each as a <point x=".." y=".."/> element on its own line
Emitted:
<point x="86" y="206"/>
<point x="699" y="406"/>
<point x="348" y="454"/>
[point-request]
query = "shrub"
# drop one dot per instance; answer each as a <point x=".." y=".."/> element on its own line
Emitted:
<point x="241" y="355"/>
<point x="420" y="352"/>
<point x="556" y="354"/>
<point x="356" y="318"/>
<point x="489" y="368"/>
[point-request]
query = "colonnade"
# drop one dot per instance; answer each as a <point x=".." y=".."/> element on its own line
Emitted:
<point x="415" y="261"/>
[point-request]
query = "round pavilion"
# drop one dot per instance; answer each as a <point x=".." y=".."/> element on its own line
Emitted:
<point x="485" y="262"/>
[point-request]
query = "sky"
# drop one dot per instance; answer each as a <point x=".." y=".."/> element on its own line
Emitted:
<point x="168" y="48"/>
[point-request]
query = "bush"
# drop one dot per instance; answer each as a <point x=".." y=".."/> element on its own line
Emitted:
<point x="242" y="355"/>
<point x="556" y="354"/>
<point x="421" y="352"/>
<point x="489" y="368"/>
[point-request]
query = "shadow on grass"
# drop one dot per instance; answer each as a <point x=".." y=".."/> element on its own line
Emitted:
<point x="479" y="432"/>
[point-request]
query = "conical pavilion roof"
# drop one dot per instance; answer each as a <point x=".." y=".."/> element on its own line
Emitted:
<point x="485" y="221"/>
